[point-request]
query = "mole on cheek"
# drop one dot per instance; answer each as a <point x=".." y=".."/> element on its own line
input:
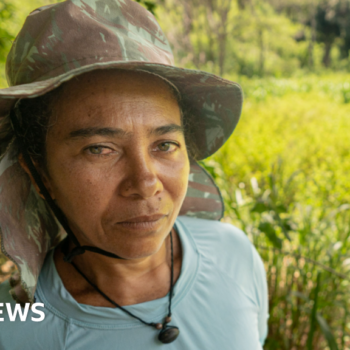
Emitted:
<point x="160" y="198"/>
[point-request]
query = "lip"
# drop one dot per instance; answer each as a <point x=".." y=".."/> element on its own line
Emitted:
<point x="142" y="222"/>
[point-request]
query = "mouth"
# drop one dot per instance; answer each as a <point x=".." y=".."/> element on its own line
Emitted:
<point x="143" y="222"/>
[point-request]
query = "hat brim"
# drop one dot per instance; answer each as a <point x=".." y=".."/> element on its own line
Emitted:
<point x="215" y="104"/>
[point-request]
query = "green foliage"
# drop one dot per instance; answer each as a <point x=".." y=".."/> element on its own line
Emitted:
<point x="257" y="40"/>
<point x="6" y="13"/>
<point x="149" y="5"/>
<point x="277" y="38"/>
<point x="284" y="178"/>
<point x="313" y="314"/>
<point x="327" y="332"/>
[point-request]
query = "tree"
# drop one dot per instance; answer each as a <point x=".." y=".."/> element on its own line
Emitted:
<point x="328" y="21"/>
<point x="333" y="21"/>
<point x="6" y="13"/>
<point x="205" y="27"/>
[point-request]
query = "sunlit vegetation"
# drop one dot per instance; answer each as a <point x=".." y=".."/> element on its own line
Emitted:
<point x="284" y="176"/>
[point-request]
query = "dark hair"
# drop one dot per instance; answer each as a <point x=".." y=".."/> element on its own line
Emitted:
<point x="35" y="120"/>
<point x="35" y="116"/>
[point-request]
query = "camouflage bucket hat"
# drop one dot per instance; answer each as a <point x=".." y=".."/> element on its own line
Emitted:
<point x="63" y="40"/>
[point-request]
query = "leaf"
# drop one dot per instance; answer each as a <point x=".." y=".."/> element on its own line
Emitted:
<point x="327" y="332"/>
<point x="281" y="209"/>
<point x="287" y="224"/>
<point x="283" y="224"/>
<point x="313" y="314"/>
<point x="270" y="233"/>
<point x="260" y="207"/>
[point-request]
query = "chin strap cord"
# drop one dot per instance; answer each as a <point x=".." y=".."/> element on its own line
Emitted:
<point x="15" y="118"/>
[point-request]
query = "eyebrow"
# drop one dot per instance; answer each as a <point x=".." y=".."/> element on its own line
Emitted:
<point x="117" y="132"/>
<point x="167" y="129"/>
<point x="88" y="132"/>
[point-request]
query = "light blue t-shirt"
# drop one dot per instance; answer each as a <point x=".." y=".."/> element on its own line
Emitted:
<point x="220" y="302"/>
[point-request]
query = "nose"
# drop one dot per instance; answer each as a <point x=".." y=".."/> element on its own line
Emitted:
<point x="141" y="178"/>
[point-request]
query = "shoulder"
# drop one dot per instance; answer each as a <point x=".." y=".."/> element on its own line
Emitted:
<point x="36" y="326"/>
<point x="228" y="249"/>
<point x="223" y="239"/>
<point x="9" y="330"/>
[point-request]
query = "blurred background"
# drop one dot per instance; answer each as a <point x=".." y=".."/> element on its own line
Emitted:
<point x="284" y="172"/>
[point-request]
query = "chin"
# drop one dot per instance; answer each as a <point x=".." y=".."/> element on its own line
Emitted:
<point x="138" y="253"/>
<point x="130" y="243"/>
<point x="130" y="247"/>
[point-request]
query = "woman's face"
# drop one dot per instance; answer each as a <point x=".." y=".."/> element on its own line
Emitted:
<point x="117" y="161"/>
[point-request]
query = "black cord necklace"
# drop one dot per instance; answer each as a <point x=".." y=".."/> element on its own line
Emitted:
<point x="167" y="332"/>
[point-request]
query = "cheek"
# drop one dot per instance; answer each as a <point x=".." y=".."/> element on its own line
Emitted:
<point x="175" y="180"/>
<point x="81" y="189"/>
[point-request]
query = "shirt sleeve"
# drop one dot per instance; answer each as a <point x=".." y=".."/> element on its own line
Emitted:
<point x="261" y="295"/>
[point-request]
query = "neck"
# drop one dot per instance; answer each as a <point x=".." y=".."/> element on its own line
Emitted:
<point x="99" y="265"/>
<point x="127" y="281"/>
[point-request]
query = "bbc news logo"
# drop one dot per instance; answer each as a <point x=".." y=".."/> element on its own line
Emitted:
<point x="22" y="313"/>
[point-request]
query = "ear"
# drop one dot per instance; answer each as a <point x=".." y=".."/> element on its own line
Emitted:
<point x="44" y="178"/>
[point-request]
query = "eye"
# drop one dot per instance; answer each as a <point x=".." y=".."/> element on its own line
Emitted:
<point x="167" y="146"/>
<point x="99" y="150"/>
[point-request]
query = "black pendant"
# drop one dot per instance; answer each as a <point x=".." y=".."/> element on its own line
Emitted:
<point x="168" y="334"/>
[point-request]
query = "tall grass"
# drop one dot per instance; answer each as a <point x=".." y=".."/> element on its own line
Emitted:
<point x="307" y="257"/>
<point x="284" y="176"/>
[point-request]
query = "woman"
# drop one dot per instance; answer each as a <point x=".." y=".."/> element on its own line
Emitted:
<point x="100" y="135"/>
